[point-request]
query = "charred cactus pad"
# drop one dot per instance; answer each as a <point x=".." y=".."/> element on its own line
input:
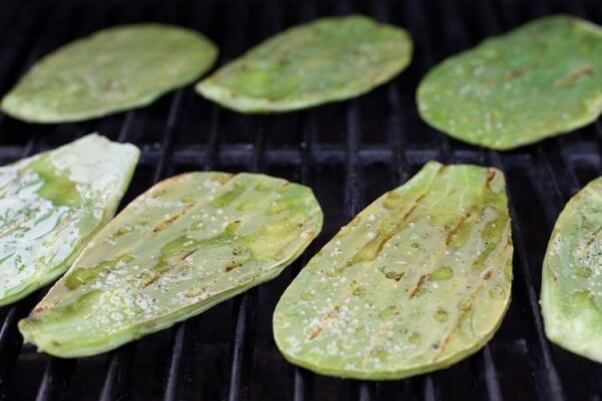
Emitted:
<point x="415" y="282"/>
<point x="327" y="60"/>
<point x="571" y="288"/>
<point x="188" y="243"/>
<point x="50" y="206"/>
<point x="115" y="69"/>
<point x="540" y="80"/>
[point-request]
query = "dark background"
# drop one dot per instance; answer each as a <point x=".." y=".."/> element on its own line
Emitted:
<point x="350" y="153"/>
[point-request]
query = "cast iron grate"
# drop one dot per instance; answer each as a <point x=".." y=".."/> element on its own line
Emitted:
<point x="349" y="153"/>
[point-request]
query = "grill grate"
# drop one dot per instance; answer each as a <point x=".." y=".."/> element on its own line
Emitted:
<point x="349" y="153"/>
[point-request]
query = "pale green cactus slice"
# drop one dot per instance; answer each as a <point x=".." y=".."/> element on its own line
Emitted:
<point x="415" y="282"/>
<point x="540" y="80"/>
<point x="571" y="287"/>
<point x="326" y="60"/>
<point x="50" y="206"/>
<point x="188" y="243"/>
<point x="114" y="69"/>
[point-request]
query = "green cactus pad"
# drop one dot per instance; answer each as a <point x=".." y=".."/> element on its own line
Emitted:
<point x="415" y="282"/>
<point x="188" y="243"/>
<point x="323" y="61"/>
<point x="540" y="80"/>
<point x="115" y="69"/>
<point x="571" y="287"/>
<point x="50" y="206"/>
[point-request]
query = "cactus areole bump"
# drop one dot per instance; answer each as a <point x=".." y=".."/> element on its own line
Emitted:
<point x="571" y="286"/>
<point x="186" y="244"/>
<point x="415" y="282"/>
<point x="52" y="203"/>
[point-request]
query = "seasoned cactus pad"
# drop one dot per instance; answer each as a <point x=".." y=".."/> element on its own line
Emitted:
<point x="571" y="287"/>
<point x="50" y="206"/>
<point x="115" y="69"/>
<point x="417" y="281"/>
<point x="540" y="80"/>
<point x="188" y="243"/>
<point x="323" y="61"/>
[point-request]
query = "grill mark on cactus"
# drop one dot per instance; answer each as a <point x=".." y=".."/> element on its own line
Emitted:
<point x="172" y="219"/>
<point x="490" y="176"/>
<point x="168" y="267"/>
<point x="387" y="335"/>
<point x="467" y="307"/>
<point x="354" y="223"/>
<point x="418" y="285"/>
<point x="456" y="229"/>
<point x="591" y="240"/>
<point x="165" y="282"/>
<point x="574" y="76"/>
<point x="319" y="328"/>
<point x="424" y="277"/>
<point x="414" y="206"/>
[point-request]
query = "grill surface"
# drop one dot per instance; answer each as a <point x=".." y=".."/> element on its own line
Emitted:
<point x="349" y="153"/>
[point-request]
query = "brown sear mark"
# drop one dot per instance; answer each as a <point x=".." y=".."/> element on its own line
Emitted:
<point x="490" y="176"/>
<point x="233" y="264"/>
<point x="466" y="308"/>
<point x="176" y="263"/>
<point x="41" y="308"/>
<point x="487" y="275"/>
<point x="520" y="71"/>
<point x="555" y="278"/>
<point x="419" y="284"/>
<point x="454" y="230"/>
<point x="152" y="280"/>
<point x="316" y="331"/>
<point x="413" y="208"/>
<point x="167" y="222"/>
<point x="574" y="76"/>
<point x="515" y="73"/>
<point x="591" y="240"/>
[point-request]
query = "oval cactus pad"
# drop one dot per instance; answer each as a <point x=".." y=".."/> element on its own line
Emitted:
<point x="186" y="244"/>
<point x="326" y="60"/>
<point x="415" y="282"/>
<point x="571" y="287"/>
<point x="115" y="69"/>
<point x="50" y="206"/>
<point x="540" y="80"/>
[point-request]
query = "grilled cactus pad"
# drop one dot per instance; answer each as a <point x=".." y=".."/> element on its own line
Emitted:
<point x="188" y="243"/>
<point x="326" y="60"/>
<point x="114" y="69"/>
<point x="571" y="288"/>
<point x="417" y="281"/>
<point x="540" y="80"/>
<point x="50" y="206"/>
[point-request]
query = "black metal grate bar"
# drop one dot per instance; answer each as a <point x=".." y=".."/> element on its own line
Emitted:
<point x="550" y="387"/>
